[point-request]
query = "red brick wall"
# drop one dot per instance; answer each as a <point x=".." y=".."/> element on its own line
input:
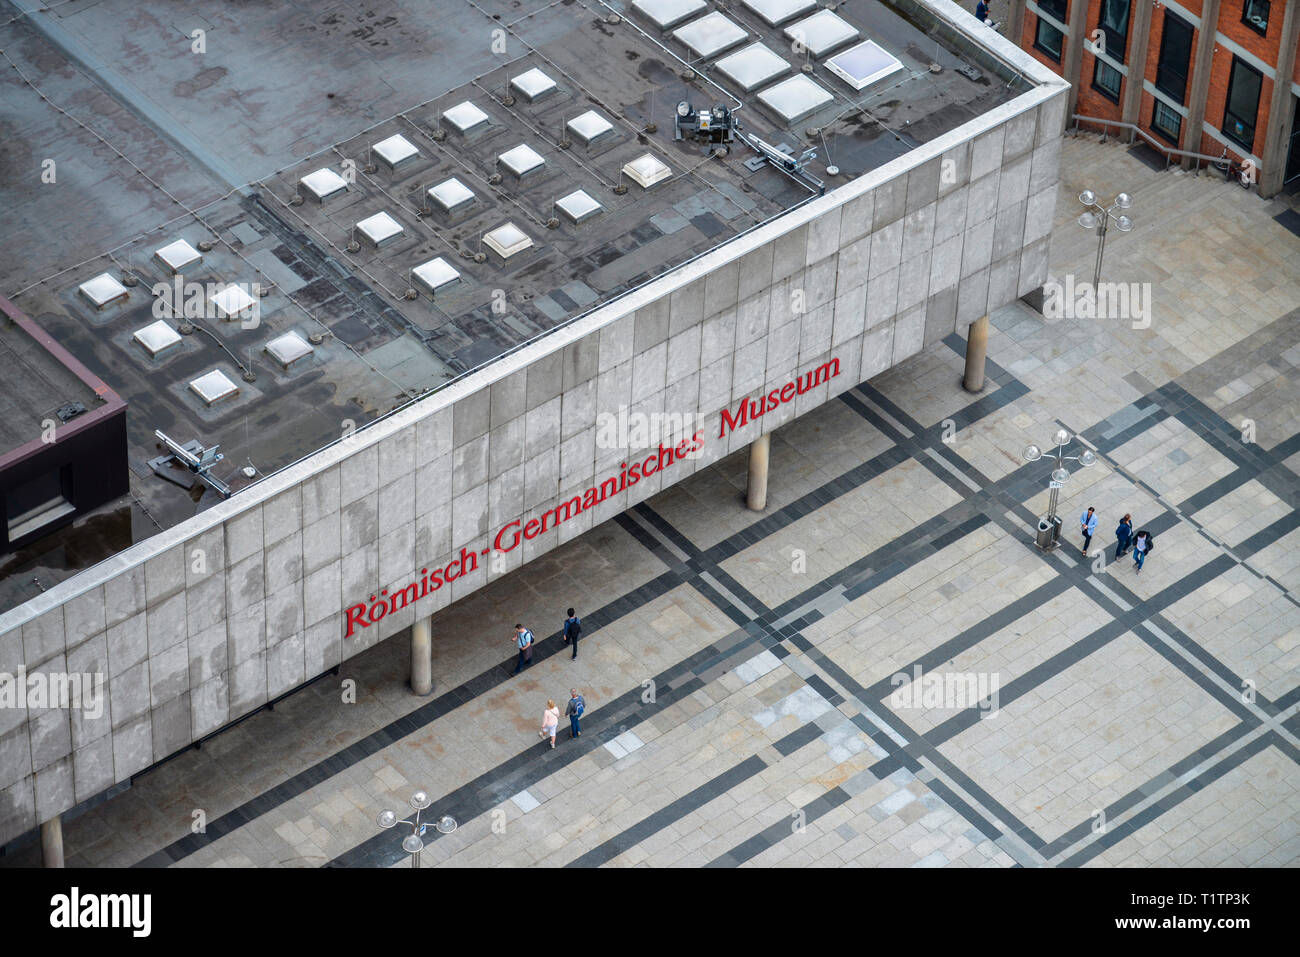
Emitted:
<point x="1094" y="103"/>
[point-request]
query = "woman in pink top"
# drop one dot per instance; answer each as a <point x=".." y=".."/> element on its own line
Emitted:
<point x="550" y="721"/>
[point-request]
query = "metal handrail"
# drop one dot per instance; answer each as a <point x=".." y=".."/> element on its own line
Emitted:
<point x="1169" y="151"/>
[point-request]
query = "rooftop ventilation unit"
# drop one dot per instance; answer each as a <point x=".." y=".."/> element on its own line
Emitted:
<point x="822" y="32"/>
<point x="464" y="117"/>
<point x="666" y="14"/>
<point x="435" y="274"/>
<point x="521" y="160"/>
<point x="646" y="170"/>
<point x="451" y="195"/>
<point x="795" y="98"/>
<point x="714" y="126"/>
<point x="157" y="338"/>
<point x="324" y="184"/>
<point x="395" y="150"/>
<point x="864" y="64"/>
<point x="578" y="206"/>
<point x="710" y="35"/>
<point x="178" y="256"/>
<point x="774" y="12"/>
<point x="753" y="66"/>
<point x="288" y="349"/>
<point x="214" y="387"/>
<point x="379" y="229"/>
<point x="103" y="291"/>
<point x="533" y="85"/>
<point x="507" y="240"/>
<point x="232" y="302"/>
<point x="589" y="127"/>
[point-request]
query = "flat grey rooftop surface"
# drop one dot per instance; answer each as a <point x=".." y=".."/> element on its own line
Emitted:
<point x="150" y="132"/>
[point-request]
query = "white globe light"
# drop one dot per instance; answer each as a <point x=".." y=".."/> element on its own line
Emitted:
<point x="412" y="844"/>
<point x="1060" y="475"/>
<point x="1087" y="197"/>
<point x="1123" y="200"/>
<point x="1032" y="453"/>
<point x="1123" y="223"/>
<point x="1061" y="437"/>
<point x="420" y="800"/>
<point x="1088" y="220"/>
<point x="386" y="819"/>
<point x="446" y="824"/>
<point x="1087" y="459"/>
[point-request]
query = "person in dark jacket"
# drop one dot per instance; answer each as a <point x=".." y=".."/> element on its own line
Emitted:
<point x="1143" y="545"/>
<point x="981" y="11"/>
<point x="572" y="629"/>
<point x="1123" y="536"/>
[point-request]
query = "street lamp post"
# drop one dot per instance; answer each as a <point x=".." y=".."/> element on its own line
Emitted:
<point x="1097" y="217"/>
<point x="413" y="843"/>
<point x="1049" y="529"/>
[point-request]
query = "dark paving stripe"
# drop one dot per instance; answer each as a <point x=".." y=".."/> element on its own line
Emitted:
<point x="1116" y="834"/>
<point x="1265" y="537"/>
<point x="774" y="834"/>
<point x="395" y="730"/>
<point x="1148" y="788"/>
<point x="684" y="805"/>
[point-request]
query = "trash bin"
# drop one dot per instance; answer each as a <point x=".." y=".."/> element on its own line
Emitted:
<point x="1046" y="530"/>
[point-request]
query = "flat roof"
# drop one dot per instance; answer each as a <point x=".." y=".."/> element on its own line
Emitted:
<point x="218" y="143"/>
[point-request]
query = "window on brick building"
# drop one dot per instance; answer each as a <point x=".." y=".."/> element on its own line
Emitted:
<point x="1175" y="57"/>
<point x="1114" y="25"/>
<point x="1254" y="13"/>
<point x="1242" y="105"/>
<point x="1166" y="121"/>
<point x="1054" y="8"/>
<point x="1106" y="80"/>
<point x="1048" y="39"/>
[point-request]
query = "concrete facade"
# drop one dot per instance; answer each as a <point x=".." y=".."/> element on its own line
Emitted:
<point x="210" y="620"/>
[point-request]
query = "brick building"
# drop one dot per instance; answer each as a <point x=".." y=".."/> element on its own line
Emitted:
<point x="1202" y="91"/>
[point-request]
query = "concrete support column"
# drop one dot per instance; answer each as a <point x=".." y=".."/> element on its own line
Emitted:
<point x="1139" y="37"/>
<point x="1277" y="130"/>
<point x="421" y="657"/>
<point x="977" y="344"/>
<point x="759" y="449"/>
<point x="1072" y="56"/>
<point x="52" y="842"/>
<point x="1014" y="28"/>
<point x="1198" y="96"/>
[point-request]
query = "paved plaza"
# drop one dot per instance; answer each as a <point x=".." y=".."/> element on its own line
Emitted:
<point x="741" y="669"/>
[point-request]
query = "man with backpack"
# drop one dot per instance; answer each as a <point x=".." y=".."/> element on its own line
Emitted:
<point x="572" y="629"/>
<point x="574" y="711"/>
<point x="523" y="640"/>
<point x="1144" y="544"/>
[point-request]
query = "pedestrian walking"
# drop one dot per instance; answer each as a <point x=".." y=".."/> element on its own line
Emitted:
<point x="572" y="629"/>
<point x="1088" y="522"/>
<point x="1144" y="543"/>
<point x="981" y="11"/>
<point x="550" y="720"/>
<point x="574" y="711"/>
<point x="523" y="640"/>
<point x="1123" y="536"/>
